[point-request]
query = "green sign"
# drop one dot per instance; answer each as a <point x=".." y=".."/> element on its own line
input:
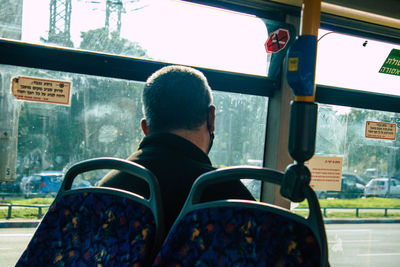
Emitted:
<point x="392" y="63"/>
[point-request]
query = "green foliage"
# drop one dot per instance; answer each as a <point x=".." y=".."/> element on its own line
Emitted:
<point x="100" y="40"/>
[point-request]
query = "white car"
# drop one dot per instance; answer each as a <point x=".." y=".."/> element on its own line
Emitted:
<point x="380" y="187"/>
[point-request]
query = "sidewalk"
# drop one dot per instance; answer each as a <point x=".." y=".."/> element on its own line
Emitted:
<point x="33" y="223"/>
<point x="19" y="223"/>
<point x="361" y="220"/>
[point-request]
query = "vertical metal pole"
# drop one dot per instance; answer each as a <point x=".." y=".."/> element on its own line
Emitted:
<point x="304" y="112"/>
<point x="9" y="211"/>
<point x="310" y="20"/>
<point x="40" y="213"/>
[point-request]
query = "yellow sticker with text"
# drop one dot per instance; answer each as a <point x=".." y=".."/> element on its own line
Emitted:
<point x="293" y="64"/>
<point x="380" y="130"/>
<point x="41" y="90"/>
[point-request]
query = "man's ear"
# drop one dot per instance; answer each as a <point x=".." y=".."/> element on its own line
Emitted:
<point x="211" y="119"/>
<point x="145" y="128"/>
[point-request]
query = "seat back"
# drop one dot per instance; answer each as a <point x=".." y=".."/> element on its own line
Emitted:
<point x="98" y="226"/>
<point x="242" y="232"/>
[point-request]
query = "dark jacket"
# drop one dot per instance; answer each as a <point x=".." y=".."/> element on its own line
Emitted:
<point x="176" y="162"/>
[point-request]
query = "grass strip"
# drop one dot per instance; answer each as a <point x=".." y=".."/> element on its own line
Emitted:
<point x="22" y="213"/>
<point x="373" y="202"/>
<point x="29" y="201"/>
<point x="31" y="213"/>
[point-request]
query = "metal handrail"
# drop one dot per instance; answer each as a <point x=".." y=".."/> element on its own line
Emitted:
<point x="38" y="206"/>
<point x="357" y="209"/>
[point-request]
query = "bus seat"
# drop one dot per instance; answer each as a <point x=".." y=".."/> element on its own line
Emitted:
<point x="241" y="232"/>
<point x="98" y="226"/>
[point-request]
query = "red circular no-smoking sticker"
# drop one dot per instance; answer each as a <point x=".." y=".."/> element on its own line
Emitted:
<point x="277" y="41"/>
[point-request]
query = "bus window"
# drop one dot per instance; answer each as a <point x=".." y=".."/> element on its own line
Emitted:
<point x="365" y="141"/>
<point x="162" y="30"/>
<point x="343" y="131"/>
<point x="103" y="119"/>
<point x="240" y="133"/>
<point x="354" y="63"/>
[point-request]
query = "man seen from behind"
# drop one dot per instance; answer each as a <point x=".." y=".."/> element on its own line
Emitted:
<point x="178" y="124"/>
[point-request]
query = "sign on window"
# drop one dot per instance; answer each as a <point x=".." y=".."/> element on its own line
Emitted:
<point x="41" y="90"/>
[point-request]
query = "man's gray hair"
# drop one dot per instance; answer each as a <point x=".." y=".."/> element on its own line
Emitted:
<point x="176" y="97"/>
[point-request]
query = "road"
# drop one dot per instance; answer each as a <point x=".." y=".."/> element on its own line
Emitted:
<point x="12" y="243"/>
<point x="364" y="244"/>
<point x="361" y="245"/>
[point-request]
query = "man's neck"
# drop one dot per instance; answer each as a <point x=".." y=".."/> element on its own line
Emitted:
<point x="197" y="137"/>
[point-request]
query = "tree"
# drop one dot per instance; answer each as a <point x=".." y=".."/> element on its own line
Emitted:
<point x="99" y="40"/>
<point x="106" y="112"/>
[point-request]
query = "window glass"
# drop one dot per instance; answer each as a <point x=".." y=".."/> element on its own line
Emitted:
<point x="240" y="133"/>
<point x="162" y="30"/>
<point x="103" y="119"/>
<point x="98" y="122"/>
<point x="240" y="129"/>
<point x="355" y="63"/>
<point x="341" y="132"/>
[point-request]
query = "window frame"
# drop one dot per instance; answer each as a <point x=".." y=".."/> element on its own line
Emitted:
<point x="113" y="66"/>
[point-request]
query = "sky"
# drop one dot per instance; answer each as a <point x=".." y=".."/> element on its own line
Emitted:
<point x="201" y="36"/>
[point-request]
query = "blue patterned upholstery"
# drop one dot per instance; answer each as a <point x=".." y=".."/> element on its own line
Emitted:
<point x="238" y="236"/>
<point x="92" y="228"/>
<point x="236" y="232"/>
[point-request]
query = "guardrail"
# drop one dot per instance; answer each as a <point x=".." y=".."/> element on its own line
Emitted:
<point x="323" y="209"/>
<point x="356" y="209"/>
<point x="10" y="207"/>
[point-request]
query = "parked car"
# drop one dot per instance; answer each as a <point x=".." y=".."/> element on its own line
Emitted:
<point x="354" y="178"/>
<point x="382" y="187"/>
<point x="45" y="183"/>
<point x="10" y="186"/>
<point x="352" y="187"/>
<point x="371" y="173"/>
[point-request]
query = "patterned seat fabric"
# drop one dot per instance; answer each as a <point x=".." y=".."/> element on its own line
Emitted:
<point x="222" y="236"/>
<point x="92" y="229"/>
